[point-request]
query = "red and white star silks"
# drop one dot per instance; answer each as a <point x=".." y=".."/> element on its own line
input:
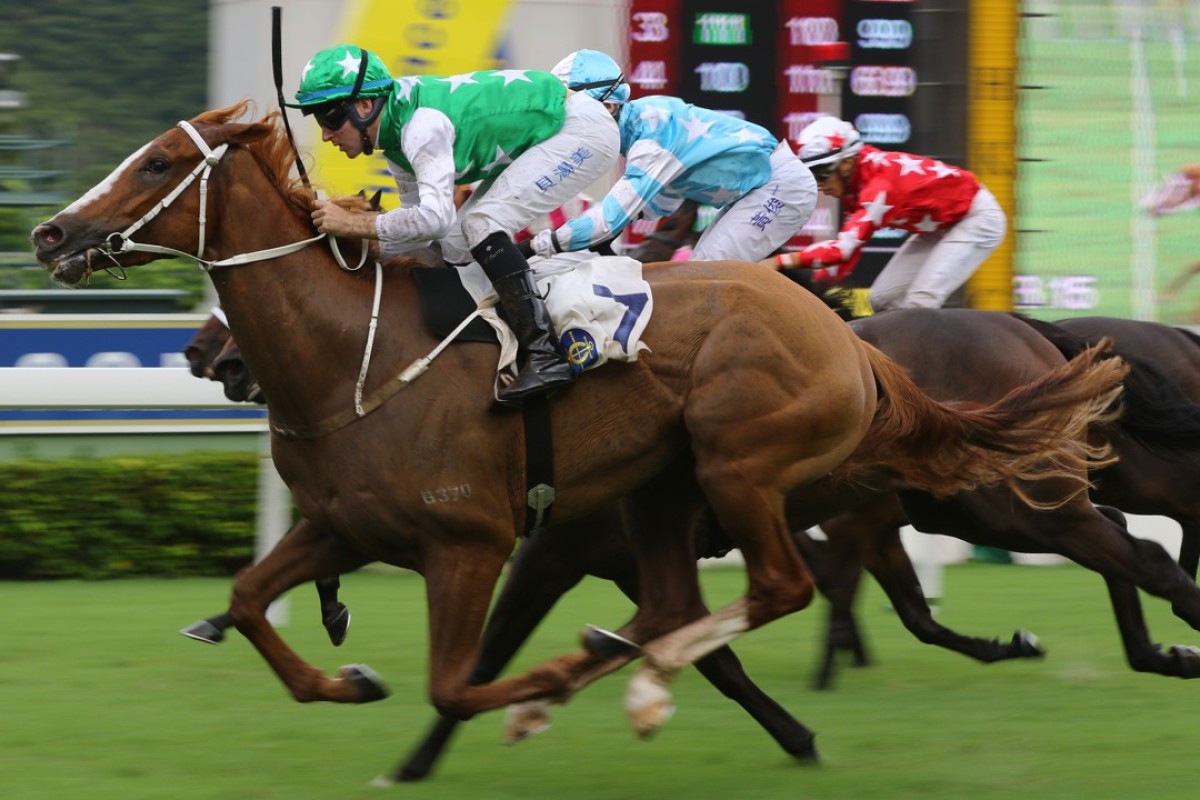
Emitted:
<point x="896" y="190"/>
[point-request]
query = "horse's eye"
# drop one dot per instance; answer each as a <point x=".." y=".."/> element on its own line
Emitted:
<point x="157" y="165"/>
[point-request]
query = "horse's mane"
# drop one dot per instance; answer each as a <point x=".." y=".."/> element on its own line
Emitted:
<point x="273" y="151"/>
<point x="275" y="156"/>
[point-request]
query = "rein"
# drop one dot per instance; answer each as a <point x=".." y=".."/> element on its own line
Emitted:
<point x="116" y="243"/>
<point x="122" y="242"/>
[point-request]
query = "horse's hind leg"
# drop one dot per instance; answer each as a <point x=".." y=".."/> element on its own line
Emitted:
<point x="545" y="568"/>
<point x="779" y="583"/>
<point x="890" y="565"/>
<point x="723" y="669"/>
<point x="304" y="554"/>
<point x="1098" y="541"/>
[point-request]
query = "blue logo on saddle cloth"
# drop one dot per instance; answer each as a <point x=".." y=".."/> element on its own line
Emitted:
<point x="580" y="349"/>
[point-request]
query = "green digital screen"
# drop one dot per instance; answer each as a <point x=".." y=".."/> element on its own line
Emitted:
<point x="722" y="29"/>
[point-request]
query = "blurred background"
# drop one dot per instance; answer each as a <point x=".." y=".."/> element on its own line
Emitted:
<point x="1073" y="113"/>
<point x="1079" y="116"/>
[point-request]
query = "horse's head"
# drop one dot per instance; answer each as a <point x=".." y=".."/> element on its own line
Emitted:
<point x="91" y="232"/>
<point x="229" y="368"/>
<point x="206" y="344"/>
<point x="673" y="232"/>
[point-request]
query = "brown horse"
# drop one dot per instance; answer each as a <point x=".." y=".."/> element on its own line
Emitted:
<point x="752" y="389"/>
<point x="995" y="345"/>
<point x="674" y="231"/>
<point x="544" y="568"/>
<point x="1157" y="439"/>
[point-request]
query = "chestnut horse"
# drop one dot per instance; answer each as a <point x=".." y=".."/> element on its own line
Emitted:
<point x="993" y="345"/>
<point x="752" y="388"/>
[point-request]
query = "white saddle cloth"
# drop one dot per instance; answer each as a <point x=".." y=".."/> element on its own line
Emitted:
<point x="600" y="306"/>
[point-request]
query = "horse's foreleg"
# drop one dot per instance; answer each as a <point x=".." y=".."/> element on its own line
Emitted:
<point x="334" y="614"/>
<point x="210" y="630"/>
<point x="542" y="571"/>
<point x="304" y="554"/>
<point x="1189" y="546"/>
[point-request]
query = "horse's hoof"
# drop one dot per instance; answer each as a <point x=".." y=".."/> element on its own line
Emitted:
<point x="337" y="625"/>
<point x="608" y="645"/>
<point x="1026" y="645"/>
<point x="648" y="704"/>
<point x="204" y="631"/>
<point x="1188" y="659"/>
<point x="368" y="686"/>
<point x="522" y="720"/>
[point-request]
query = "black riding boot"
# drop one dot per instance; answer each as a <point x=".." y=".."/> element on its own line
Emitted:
<point x="545" y="368"/>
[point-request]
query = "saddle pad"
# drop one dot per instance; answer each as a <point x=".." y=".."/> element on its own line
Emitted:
<point x="445" y="302"/>
<point x="599" y="304"/>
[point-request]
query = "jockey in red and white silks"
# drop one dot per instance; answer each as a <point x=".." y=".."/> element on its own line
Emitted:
<point x="955" y="221"/>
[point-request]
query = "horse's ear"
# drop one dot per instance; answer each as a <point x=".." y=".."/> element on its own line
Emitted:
<point x="244" y="132"/>
<point x="375" y="200"/>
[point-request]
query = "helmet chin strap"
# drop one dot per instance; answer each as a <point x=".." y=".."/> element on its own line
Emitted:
<point x="362" y="123"/>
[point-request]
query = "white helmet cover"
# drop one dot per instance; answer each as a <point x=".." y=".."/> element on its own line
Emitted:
<point x="827" y="141"/>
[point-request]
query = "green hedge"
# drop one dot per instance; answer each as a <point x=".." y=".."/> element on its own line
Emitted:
<point x="122" y="516"/>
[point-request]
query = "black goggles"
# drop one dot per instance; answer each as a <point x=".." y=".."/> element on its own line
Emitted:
<point x="822" y="172"/>
<point x="332" y="117"/>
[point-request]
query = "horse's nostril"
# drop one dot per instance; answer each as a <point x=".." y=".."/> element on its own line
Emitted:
<point x="46" y="235"/>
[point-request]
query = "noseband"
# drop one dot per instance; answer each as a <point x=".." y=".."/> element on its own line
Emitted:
<point x="122" y="242"/>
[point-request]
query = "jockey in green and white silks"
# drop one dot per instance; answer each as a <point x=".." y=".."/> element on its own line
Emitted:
<point x="676" y="151"/>
<point x="532" y="143"/>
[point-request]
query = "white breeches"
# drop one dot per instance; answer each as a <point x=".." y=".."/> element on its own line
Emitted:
<point x="540" y="180"/>
<point x="930" y="266"/>
<point x="758" y="224"/>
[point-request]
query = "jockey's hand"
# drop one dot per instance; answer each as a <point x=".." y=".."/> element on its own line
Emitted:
<point x="526" y="248"/>
<point x="330" y="218"/>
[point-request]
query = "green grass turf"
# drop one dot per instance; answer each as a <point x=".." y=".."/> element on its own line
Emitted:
<point x="101" y="698"/>
<point x="1076" y="197"/>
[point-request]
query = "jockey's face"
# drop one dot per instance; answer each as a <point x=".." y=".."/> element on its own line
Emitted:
<point x="833" y="182"/>
<point x="347" y="137"/>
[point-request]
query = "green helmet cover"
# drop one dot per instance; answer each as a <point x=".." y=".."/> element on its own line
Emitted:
<point x="331" y="74"/>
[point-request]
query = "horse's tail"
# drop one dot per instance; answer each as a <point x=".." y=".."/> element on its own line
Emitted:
<point x="1036" y="431"/>
<point x="1155" y="409"/>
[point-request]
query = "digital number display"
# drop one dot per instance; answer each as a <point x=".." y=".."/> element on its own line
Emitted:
<point x="722" y="29"/>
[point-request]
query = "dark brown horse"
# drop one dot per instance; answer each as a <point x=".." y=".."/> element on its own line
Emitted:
<point x="549" y="564"/>
<point x="1157" y="439"/>
<point x="672" y="232"/>
<point x="752" y="389"/>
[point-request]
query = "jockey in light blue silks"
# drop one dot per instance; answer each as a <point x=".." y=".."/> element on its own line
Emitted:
<point x="676" y="151"/>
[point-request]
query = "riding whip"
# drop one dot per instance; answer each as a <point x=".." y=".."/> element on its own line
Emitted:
<point x="277" y="58"/>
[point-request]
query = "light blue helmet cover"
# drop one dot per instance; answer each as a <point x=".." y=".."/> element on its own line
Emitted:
<point x="595" y="74"/>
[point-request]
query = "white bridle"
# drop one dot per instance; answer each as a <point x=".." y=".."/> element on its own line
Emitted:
<point x="122" y="242"/>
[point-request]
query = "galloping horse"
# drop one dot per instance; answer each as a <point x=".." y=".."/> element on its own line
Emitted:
<point x="1157" y="440"/>
<point x="992" y="345"/>
<point x="752" y="388"/>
